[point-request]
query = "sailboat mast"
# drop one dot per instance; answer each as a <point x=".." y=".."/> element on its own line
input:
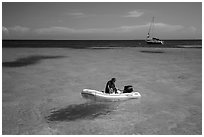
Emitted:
<point x="152" y="22"/>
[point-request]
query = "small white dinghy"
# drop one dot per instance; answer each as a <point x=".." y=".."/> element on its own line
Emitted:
<point x="98" y="95"/>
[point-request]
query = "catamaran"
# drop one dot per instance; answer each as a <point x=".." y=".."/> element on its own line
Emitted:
<point x="152" y="40"/>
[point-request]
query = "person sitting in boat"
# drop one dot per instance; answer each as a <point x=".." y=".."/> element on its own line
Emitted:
<point x="110" y="86"/>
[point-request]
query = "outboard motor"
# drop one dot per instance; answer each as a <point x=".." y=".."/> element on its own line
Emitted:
<point x="128" y="89"/>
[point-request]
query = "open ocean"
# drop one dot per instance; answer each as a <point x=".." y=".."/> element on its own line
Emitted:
<point x="99" y="43"/>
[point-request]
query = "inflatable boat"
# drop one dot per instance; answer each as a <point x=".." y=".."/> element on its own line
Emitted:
<point x="99" y="95"/>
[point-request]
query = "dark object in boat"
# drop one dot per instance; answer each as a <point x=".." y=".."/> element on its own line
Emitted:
<point x="128" y="89"/>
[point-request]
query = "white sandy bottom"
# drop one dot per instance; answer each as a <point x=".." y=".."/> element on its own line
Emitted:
<point x="41" y="92"/>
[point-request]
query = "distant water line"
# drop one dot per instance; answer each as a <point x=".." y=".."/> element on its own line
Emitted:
<point x="97" y="43"/>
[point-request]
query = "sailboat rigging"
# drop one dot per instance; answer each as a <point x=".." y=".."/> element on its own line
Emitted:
<point x="152" y="40"/>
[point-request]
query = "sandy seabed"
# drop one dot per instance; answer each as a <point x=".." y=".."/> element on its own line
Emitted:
<point x="42" y="86"/>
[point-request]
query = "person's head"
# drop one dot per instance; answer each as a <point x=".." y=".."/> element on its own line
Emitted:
<point x="113" y="79"/>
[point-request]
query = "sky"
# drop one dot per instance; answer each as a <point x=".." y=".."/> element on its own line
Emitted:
<point x="101" y="21"/>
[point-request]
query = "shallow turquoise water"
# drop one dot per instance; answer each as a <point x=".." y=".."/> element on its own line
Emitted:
<point x="42" y="86"/>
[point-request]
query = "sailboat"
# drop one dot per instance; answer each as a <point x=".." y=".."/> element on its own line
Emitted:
<point x="153" y="40"/>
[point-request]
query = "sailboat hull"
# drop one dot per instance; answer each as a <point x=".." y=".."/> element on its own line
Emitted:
<point x="155" y="42"/>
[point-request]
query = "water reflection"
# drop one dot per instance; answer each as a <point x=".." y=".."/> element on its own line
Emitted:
<point x="152" y="51"/>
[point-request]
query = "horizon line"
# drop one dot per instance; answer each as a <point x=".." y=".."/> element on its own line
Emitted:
<point x="98" y="39"/>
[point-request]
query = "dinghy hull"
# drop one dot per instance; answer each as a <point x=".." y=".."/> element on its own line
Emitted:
<point x="100" y="96"/>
